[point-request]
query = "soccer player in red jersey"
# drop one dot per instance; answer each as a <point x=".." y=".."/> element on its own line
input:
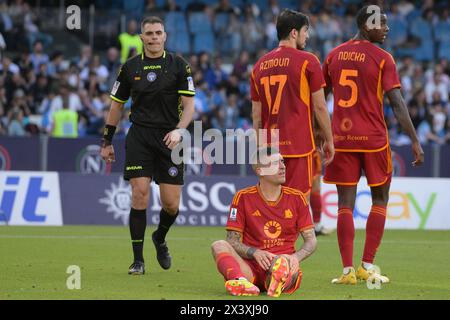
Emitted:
<point x="263" y="225"/>
<point x="359" y="73"/>
<point x="287" y="91"/>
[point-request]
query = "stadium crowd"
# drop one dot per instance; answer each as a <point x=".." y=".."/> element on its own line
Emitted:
<point x="221" y="40"/>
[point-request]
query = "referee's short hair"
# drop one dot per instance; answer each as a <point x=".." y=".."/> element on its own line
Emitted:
<point x="151" y="20"/>
<point x="288" y="20"/>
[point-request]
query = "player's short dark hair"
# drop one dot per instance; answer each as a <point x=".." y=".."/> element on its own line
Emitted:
<point x="151" y="20"/>
<point x="257" y="155"/>
<point x="288" y="20"/>
<point x="364" y="14"/>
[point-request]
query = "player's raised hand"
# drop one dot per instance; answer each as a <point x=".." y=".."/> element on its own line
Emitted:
<point x="264" y="258"/>
<point x="107" y="154"/>
<point x="418" y="154"/>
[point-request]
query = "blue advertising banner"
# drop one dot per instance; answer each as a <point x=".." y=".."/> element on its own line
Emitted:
<point x="415" y="203"/>
<point x="445" y="161"/>
<point x="19" y="153"/>
<point x="83" y="156"/>
<point x="90" y="199"/>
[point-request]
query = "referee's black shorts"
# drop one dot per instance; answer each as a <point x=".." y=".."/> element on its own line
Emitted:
<point x="146" y="155"/>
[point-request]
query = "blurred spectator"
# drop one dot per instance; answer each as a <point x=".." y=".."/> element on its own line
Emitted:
<point x="96" y="69"/>
<point x="215" y="74"/>
<point x="234" y="31"/>
<point x="65" y="123"/>
<point x="130" y="42"/>
<point x="16" y="12"/>
<point x="273" y="10"/>
<point x="31" y="25"/>
<point x="6" y="21"/>
<point x="241" y="67"/>
<point x="232" y="86"/>
<point x="8" y="67"/>
<point x="151" y="8"/>
<point x="112" y="66"/>
<point x="193" y="62"/>
<point x="252" y="31"/>
<point x="204" y="62"/>
<point x="231" y="112"/>
<point x="39" y="91"/>
<point x="171" y="5"/>
<point x="425" y="132"/>
<point x="218" y="119"/>
<point x="85" y="57"/>
<point x="271" y="33"/>
<point x="196" y="6"/>
<point x="73" y="78"/>
<point x="405" y="7"/>
<point x="38" y="57"/>
<point x="439" y="120"/>
<point x="64" y="98"/>
<point x="436" y="85"/>
<point x="55" y="66"/>
<point x="15" y="123"/>
<point x="17" y="114"/>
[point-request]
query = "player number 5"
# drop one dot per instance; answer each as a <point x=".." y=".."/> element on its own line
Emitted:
<point x="346" y="82"/>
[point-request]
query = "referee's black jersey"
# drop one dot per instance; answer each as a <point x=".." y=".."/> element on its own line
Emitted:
<point x="155" y="86"/>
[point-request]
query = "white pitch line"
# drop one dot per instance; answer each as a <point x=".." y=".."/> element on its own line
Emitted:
<point x="106" y="237"/>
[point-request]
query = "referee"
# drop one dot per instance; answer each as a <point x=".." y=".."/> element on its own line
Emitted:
<point x="162" y="91"/>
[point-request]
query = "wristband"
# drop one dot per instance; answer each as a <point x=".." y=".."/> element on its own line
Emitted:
<point x="108" y="133"/>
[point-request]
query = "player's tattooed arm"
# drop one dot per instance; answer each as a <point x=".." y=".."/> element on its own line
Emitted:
<point x="309" y="245"/>
<point x="401" y="113"/>
<point x="234" y="238"/>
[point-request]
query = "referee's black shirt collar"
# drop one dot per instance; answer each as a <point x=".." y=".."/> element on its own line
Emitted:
<point x="143" y="56"/>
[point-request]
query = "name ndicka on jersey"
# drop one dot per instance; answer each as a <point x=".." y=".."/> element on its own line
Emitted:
<point x="352" y="56"/>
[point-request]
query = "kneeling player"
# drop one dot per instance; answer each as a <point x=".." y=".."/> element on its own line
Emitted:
<point x="263" y="225"/>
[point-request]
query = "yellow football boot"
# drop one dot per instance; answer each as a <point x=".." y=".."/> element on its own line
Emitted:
<point x="279" y="275"/>
<point x="241" y="287"/>
<point x="349" y="278"/>
<point x="364" y="274"/>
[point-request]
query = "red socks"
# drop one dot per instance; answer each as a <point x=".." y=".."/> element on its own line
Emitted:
<point x="346" y="235"/>
<point x="374" y="232"/>
<point x="228" y="266"/>
<point x="316" y="206"/>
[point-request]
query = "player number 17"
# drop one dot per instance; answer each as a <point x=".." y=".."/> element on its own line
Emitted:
<point x="270" y="81"/>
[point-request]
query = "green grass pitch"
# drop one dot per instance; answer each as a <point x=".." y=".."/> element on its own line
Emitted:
<point x="34" y="262"/>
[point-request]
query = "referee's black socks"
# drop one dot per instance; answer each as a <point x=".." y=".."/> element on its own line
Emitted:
<point x="165" y="222"/>
<point x="138" y="223"/>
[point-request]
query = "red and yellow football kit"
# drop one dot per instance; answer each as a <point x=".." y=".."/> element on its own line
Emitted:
<point x="271" y="226"/>
<point x="359" y="73"/>
<point x="282" y="81"/>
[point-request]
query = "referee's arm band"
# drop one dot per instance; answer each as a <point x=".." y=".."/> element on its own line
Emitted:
<point x="186" y="92"/>
<point x="117" y="99"/>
